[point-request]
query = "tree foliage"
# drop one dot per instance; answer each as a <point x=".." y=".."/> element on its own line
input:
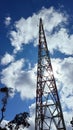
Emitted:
<point x="20" y="120"/>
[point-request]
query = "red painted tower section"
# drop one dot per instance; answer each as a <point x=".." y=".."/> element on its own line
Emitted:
<point x="49" y="114"/>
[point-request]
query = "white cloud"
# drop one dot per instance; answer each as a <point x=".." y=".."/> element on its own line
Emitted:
<point x="26" y="83"/>
<point x="7" y="21"/>
<point x="68" y="118"/>
<point x="11" y="73"/>
<point x="61" y="41"/>
<point x="7" y="58"/>
<point x="63" y="71"/>
<point x="32" y="117"/>
<point x="23" y="81"/>
<point x="27" y="29"/>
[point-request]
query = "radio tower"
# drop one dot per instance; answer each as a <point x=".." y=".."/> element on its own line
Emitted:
<point x="49" y="114"/>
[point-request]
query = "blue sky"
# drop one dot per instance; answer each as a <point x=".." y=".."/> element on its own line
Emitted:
<point x="19" y="26"/>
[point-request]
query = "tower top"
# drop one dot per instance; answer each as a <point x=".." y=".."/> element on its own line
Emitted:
<point x="40" y="19"/>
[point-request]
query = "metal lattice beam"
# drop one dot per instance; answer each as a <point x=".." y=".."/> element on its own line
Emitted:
<point x="49" y="114"/>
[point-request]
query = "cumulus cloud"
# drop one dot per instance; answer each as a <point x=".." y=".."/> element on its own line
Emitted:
<point x="7" y="21"/>
<point x="7" y="58"/>
<point x="11" y="73"/>
<point x="32" y="117"/>
<point x="61" y="41"/>
<point x="63" y="71"/>
<point x="24" y="34"/>
<point x="26" y="83"/>
<point x="29" y="31"/>
<point x="23" y="81"/>
<point x="68" y="118"/>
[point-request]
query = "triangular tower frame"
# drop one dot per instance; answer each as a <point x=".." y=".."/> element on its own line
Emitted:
<point x="49" y="114"/>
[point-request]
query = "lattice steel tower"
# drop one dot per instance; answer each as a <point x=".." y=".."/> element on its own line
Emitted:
<point x="49" y="114"/>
